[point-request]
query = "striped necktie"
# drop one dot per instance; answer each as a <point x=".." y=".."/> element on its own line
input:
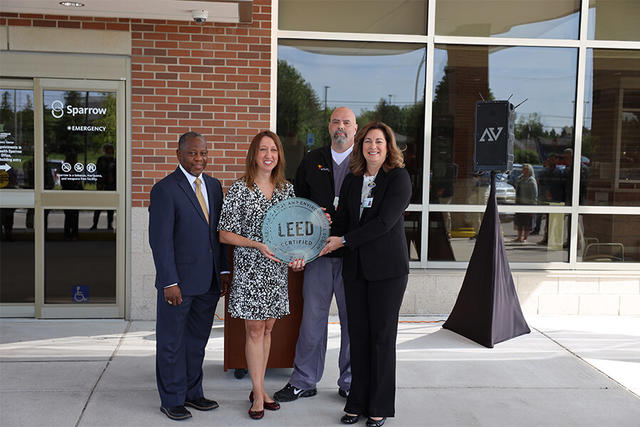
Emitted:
<point x="200" y="197"/>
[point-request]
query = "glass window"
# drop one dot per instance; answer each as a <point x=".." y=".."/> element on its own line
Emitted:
<point x="17" y="252"/>
<point x="546" y="79"/>
<point x="413" y="232"/>
<point x="378" y="81"/>
<point x="16" y="138"/>
<point x="614" y="20"/>
<point x="351" y="16"/>
<point x="609" y="238"/>
<point x="80" y="257"/>
<point x="80" y="140"/>
<point x="611" y="130"/>
<point x="528" y="237"/>
<point x="555" y="19"/>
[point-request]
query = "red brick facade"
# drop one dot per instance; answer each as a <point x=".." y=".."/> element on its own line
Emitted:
<point x="211" y="78"/>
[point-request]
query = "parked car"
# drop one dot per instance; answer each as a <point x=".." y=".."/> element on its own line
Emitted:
<point x="505" y="192"/>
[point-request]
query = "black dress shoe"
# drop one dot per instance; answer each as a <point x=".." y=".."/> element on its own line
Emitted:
<point x="202" y="404"/>
<point x="349" y="419"/>
<point x="376" y="423"/>
<point x="176" y="412"/>
<point x="343" y="393"/>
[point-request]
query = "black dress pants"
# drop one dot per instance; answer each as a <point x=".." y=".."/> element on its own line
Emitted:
<point x="372" y="311"/>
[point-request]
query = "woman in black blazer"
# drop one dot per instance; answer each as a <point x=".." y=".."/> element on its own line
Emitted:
<point x="369" y="223"/>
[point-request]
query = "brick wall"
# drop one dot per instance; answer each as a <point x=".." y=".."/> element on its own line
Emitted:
<point x="212" y="78"/>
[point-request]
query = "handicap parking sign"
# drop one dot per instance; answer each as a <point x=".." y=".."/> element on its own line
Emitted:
<point x="79" y="294"/>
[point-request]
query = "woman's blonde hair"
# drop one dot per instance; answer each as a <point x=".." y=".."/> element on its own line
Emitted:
<point x="394" y="159"/>
<point x="251" y="168"/>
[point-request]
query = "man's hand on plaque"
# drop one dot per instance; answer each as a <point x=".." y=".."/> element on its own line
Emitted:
<point x="297" y="264"/>
<point x="264" y="249"/>
<point x="333" y="243"/>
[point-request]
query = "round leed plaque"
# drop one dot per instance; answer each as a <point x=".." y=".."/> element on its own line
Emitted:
<point x="295" y="228"/>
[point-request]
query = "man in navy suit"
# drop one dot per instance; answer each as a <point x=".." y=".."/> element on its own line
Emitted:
<point x="192" y="271"/>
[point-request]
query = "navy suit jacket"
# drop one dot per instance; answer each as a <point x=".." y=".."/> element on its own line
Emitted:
<point x="186" y="250"/>
<point x="376" y="242"/>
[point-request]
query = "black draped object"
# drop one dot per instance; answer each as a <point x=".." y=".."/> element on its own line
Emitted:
<point x="487" y="310"/>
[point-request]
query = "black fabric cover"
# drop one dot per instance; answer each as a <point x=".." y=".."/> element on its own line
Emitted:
<point x="487" y="310"/>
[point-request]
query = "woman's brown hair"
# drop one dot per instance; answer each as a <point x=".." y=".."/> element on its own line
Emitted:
<point x="250" y="168"/>
<point x="394" y="159"/>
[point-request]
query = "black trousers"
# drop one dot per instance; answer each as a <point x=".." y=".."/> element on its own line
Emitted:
<point x="372" y="311"/>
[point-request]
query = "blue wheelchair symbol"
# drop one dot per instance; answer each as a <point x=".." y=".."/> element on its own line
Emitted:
<point x="80" y="294"/>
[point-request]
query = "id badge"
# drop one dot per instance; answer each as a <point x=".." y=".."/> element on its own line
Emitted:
<point x="335" y="202"/>
<point x="367" y="202"/>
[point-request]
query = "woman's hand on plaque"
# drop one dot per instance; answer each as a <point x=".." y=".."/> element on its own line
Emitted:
<point x="297" y="264"/>
<point x="264" y="249"/>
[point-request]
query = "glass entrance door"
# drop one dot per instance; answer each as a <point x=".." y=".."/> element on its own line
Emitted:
<point x="77" y="214"/>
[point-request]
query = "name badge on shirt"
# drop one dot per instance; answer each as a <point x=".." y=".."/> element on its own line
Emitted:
<point x="335" y="202"/>
<point x="367" y="202"/>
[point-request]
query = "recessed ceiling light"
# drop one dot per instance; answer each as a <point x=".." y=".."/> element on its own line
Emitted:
<point x="71" y="3"/>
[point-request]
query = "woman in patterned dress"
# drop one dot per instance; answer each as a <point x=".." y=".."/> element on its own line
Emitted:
<point x="259" y="292"/>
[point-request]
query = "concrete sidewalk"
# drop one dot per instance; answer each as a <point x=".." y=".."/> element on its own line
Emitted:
<point x="570" y="371"/>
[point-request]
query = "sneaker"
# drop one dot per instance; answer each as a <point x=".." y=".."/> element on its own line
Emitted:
<point x="290" y="393"/>
<point x="343" y="393"/>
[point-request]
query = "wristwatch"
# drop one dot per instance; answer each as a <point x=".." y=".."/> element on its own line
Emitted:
<point x="344" y="241"/>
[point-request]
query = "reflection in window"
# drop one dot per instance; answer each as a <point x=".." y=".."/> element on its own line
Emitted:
<point x="552" y="19"/>
<point x="16" y="138"/>
<point x="609" y="238"/>
<point x="378" y="81"/>
<point x="611" y="131"/>
<point x="80" y="259"/>
<point x="80" y="140"/>
<point x="546" y="77"/>
<point x="614" y="20"/>
<point x="17" y="252"/>
<point x="546" y="241"/>
<point x="351" y="16"/>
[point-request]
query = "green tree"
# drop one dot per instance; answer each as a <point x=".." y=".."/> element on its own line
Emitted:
<point x="299" y="111"/>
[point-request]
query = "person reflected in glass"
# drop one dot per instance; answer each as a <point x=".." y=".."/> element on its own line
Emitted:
<point x="569" y="163"/>
<point x="369" y="223"/>
<point x="259" y="292"/>
<point x="526" y="194"/>
<point x="106" y="169"/>
<point x="442" y="186"/>
<point x="550" y="188"/>
<point x="70" y="182"/>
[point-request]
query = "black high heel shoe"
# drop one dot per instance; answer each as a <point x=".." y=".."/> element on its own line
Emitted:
<point x="349" y="419"/>
<point x="256" y="415"/>
<point x="271" y="406"/>
<point x="376" y="423"/>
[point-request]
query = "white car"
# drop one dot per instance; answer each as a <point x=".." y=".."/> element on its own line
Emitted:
<point x="505" y="192"/>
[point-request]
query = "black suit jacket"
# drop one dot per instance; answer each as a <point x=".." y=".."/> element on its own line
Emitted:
<point x="376" y="240"/>
<point x="186" y="250"/>
<point x="314" y="181"/>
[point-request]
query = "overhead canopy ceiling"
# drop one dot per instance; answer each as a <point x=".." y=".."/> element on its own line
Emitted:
<point x="232" y="11"/>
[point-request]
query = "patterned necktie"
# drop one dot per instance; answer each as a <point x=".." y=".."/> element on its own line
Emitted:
<point x="200" y="197"/>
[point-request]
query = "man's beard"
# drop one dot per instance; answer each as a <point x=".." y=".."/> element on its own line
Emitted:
<point x="340" y="138"/>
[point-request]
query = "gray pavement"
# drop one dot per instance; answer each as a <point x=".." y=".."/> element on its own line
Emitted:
<point x="570" y="371"/>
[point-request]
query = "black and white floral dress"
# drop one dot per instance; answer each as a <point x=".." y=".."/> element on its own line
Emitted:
<point x="259" y="289"/>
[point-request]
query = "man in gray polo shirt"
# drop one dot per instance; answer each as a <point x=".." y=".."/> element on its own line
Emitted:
<point x="319" y="178"/>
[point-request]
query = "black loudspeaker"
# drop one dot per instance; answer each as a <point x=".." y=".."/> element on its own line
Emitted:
<point x="494" y="137"/>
